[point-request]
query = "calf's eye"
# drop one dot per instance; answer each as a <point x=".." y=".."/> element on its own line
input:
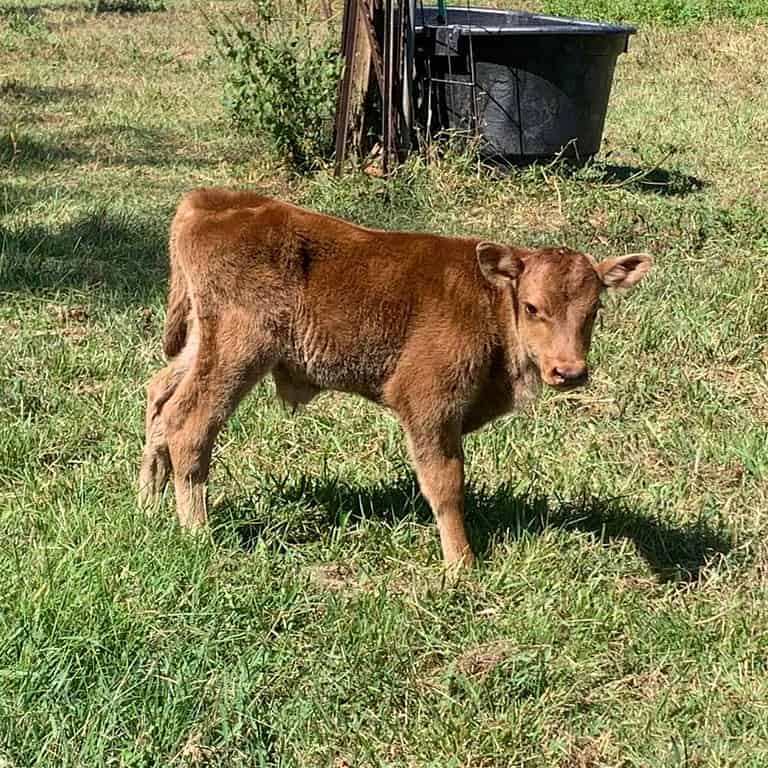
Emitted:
<point x="530" y="310"/>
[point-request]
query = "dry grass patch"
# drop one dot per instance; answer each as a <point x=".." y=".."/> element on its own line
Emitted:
<point x="477" y="662"/>
<point x="588" y="752"/>
<point x="334" y="577"/>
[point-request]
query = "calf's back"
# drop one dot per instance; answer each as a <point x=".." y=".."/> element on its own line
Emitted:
<point x="346" y="305"/>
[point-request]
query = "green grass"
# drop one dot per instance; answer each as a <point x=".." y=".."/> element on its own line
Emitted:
<point x="671" y="12"/>
<point x="618" y="614"/>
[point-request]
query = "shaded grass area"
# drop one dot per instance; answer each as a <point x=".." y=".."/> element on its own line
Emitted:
<point x="105" y="250"/>
<point x="500" y="514"/>
<point x="618" y="614"/>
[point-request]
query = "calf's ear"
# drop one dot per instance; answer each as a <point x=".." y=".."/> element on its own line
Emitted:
<point x="499" y="264"/>
<point x="624" y="271"/>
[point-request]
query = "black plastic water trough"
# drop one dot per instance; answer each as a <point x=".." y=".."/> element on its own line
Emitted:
<point x="531" y="86"/>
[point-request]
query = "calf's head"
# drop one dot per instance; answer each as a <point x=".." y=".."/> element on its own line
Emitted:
<point x="555" y="298"/>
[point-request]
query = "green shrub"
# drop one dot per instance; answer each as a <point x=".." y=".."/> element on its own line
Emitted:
<point x="281" y="81"/>
<point x="128" y="6"/>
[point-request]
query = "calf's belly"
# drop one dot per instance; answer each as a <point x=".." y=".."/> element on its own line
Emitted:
<point x="298" y="383"/>
<point x="346" y="358"/>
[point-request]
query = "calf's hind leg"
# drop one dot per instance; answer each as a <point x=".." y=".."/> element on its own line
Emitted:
<point x="193" y="416"/>
<point x="156" y="461"/>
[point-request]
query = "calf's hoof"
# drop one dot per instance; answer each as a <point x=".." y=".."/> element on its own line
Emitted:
<point x="153" y="476"/>
<point x="148" y="494"/>
<point x="191" y="506"/>
<point x="460" y="560"/>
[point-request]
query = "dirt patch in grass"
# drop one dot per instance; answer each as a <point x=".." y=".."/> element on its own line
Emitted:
<point x="194" y="754"/>
<point x="334" y="577"/>
<point x="587" y="753"/>
<point x="529" y="215"/>
<point x="477" y="662"/>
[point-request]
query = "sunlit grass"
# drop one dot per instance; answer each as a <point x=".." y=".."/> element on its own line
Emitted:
<point x="617" y="616"/>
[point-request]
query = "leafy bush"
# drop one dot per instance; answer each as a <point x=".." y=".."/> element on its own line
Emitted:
<point x="128" y="6"/>
<point x="281" y="81"/>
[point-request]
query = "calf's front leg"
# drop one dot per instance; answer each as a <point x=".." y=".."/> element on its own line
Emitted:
<point x="439" y="463"/>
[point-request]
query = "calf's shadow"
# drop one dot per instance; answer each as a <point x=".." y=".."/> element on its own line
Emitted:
<point x="309" y="506"/>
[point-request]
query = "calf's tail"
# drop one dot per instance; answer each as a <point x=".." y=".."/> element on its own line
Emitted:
<point x="179" y="306"/>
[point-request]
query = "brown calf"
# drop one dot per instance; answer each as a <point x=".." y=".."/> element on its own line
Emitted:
<point x="447" y="332"/>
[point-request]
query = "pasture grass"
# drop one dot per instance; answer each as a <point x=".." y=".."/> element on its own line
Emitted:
<point x="668" y="12"/>
<point x="618" y="614"/>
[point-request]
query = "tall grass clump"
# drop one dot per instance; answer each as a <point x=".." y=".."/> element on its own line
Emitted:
<point x="19" y="26"/>
<point x="281" y="80"/>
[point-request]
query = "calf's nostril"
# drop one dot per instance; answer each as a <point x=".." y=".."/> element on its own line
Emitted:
<point x="580" y="377"/>
<point x="570" y="375"/>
